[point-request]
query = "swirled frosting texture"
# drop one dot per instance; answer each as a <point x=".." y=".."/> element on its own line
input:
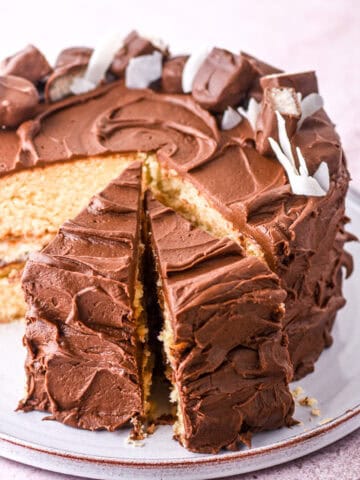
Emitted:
<point x="82" y="363"/>
<point x="249" y="189"/>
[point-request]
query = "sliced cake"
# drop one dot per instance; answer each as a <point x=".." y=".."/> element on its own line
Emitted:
<point x="87" y="358"/>
<point x="228" y="357"/>
<point x="250" y="275"/>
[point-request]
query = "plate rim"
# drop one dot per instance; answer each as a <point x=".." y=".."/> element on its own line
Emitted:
<point x="295" y="440"/>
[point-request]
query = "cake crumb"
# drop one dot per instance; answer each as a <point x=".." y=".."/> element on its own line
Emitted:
<point x="325" y="420"/>
<point x="297" y="391"/>
<point x="307" y="401"/>
<point x="151" y="429"/>
<point x="315" y="412"/>
<point x="135" y="443"/>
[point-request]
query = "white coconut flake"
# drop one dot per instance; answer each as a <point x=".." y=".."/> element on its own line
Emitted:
<point x="283" y="138"/>
<point x="303" y="167"/>
<point x="230" y="119"/>
<point x="252" y="112"/>
<point x="309" y="105"/>
<point x="143" y="70"/>
<point x="322" y="176"/>
<point x="191" y="68"/>
<point x="300" y="181"/>
<point x="99" y="63"/>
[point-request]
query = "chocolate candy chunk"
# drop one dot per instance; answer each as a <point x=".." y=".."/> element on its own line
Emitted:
<point x="134" y="46"/>
<point x="74" y="56"/>
<point x="261" y="68"/>
<point x="285" y="101"/>
<point x="171" y="80"/>
<point x="18" y="100"/>
<point x="29" y="63"/>
<point x="58" y="85"/>
<point x="303" y="82"/>
<point x="71" y="63"/>
<point x="222" y="80"/>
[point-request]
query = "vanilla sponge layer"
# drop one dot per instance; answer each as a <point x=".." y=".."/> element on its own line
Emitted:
<point x="36" y="202"/>
<point x="12" y="303"/>
<point x="183" y="197"/>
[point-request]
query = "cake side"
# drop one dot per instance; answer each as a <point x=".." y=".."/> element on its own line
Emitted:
<point x="222" y="335"/>
<point x="251" y="191"/>
<point x="85" y="355"/>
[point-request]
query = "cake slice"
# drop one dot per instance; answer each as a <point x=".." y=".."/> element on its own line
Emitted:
<point x="227" y="356"/>
<point x="87" y="359"/>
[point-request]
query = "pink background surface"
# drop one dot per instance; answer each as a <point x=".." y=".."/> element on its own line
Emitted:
<point x="296" y="35"/>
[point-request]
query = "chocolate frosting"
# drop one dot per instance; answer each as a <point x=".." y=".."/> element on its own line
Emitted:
<point x="29" y="63"/>
<point x="18" y="100"/>
<point x="82" y="364"/>
<point x="230" y="359"/>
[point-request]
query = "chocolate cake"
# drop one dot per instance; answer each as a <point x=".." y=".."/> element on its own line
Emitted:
<point x="244" y="153"/>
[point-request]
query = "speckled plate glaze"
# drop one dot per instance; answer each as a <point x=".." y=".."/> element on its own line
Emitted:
<point x="335" y="384"/>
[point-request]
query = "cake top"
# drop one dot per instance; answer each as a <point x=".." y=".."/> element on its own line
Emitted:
<point x="235" y="88"/>
<point x="254" y="138"/>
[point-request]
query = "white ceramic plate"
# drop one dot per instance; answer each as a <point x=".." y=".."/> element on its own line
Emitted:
<point x="50" y="445"/>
